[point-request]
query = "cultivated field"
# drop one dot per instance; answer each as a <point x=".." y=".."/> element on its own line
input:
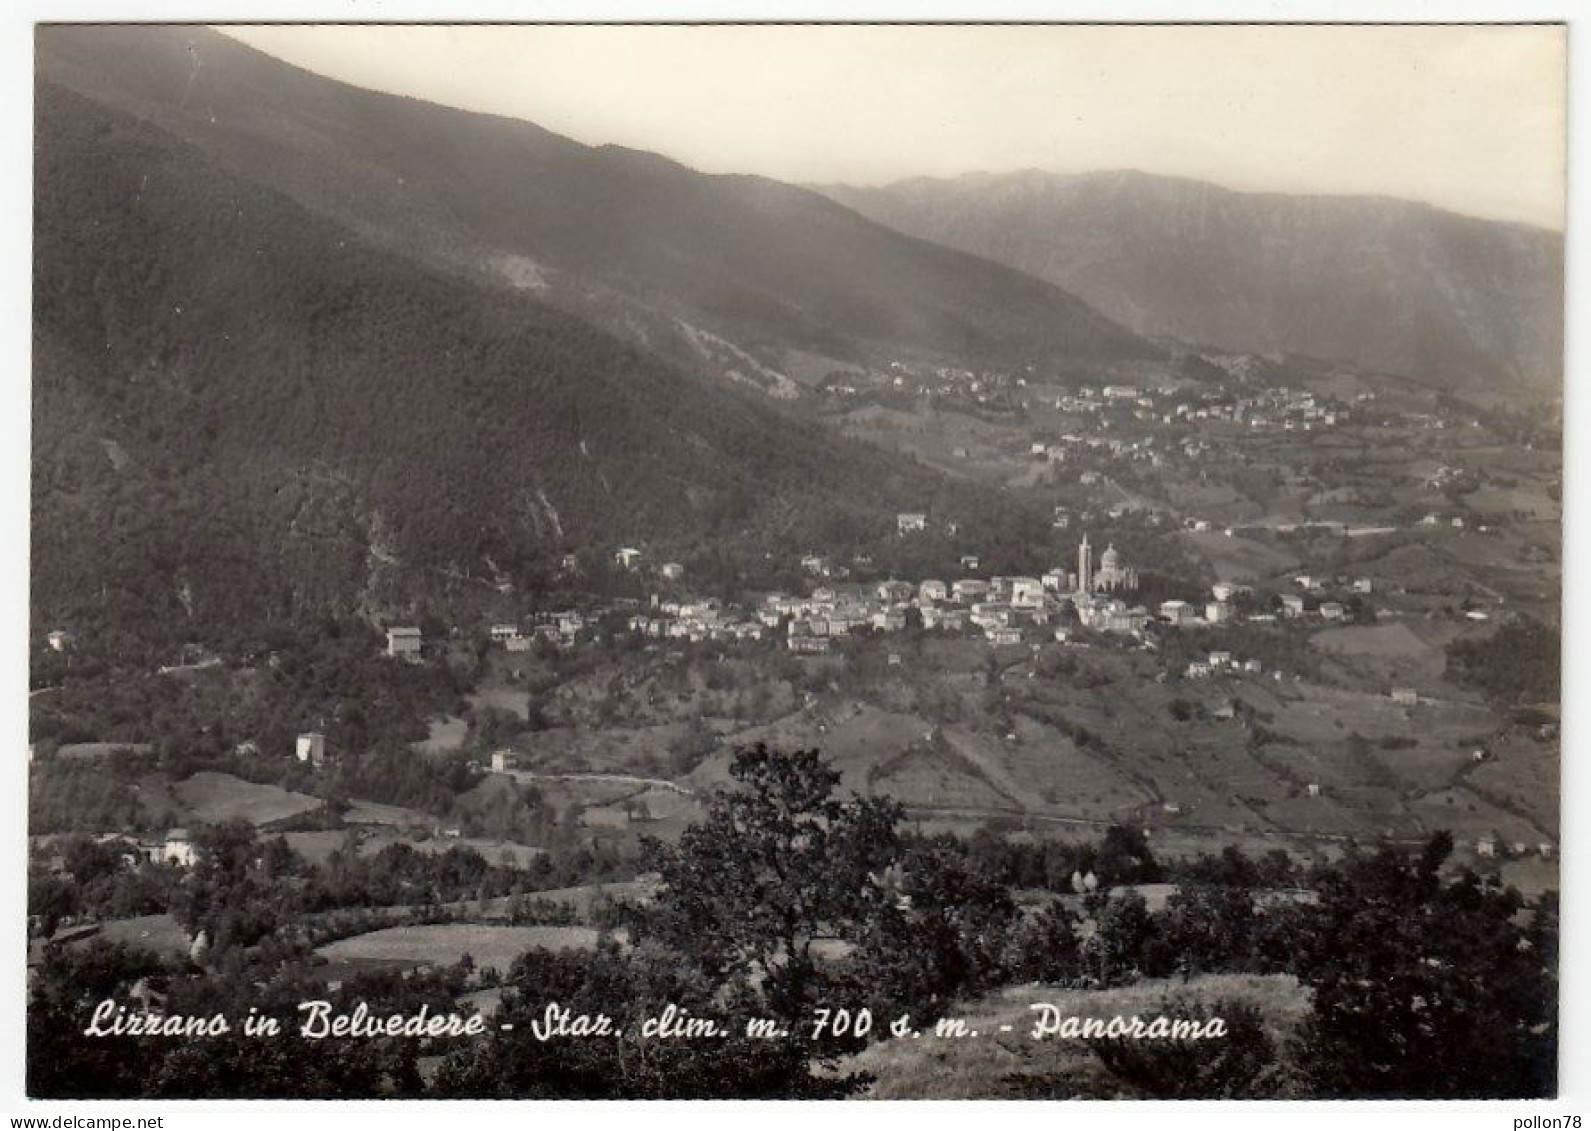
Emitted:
<point x="446" y="735"/>
<point x="375" y="813"/>
<point x="503" y="699"/>
<point x="159" y="933"/>
<point x="502" y="852"/>
<point x="445" y="943"/>
<point x="93" y="750"/>
<point x="209" y="797"/>
<point x="1238" y="559"/>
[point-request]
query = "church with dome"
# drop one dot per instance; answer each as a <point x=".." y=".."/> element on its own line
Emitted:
<point x="1108" y="576"/>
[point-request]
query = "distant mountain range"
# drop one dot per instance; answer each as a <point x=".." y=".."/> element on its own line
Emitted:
<point x="645" y="245"/>
<point x="1387" y="284"/>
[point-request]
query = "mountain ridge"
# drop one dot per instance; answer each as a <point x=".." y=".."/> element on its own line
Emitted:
<point x="1390" y="284"/>
<point x="1128" y="173"/>
<point x="754" y="260"/>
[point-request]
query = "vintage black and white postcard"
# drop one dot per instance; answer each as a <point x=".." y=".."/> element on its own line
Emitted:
<point x="823" y="561"/>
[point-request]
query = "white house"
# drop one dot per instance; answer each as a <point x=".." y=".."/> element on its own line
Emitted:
<point x="1027" y="592"/>
<point x="809" y="643"/>
<point x="311" y="747"/>
<point x="1176" y="612"/>
<point x="404" y="642"/>
<point x="503" y="761"/>
<point x="179" y="849"/>
<point x="893" y="590"/>
<point x="969" y="589"/>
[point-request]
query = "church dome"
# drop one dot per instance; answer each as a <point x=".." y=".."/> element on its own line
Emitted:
<point x="1110" y="559"/>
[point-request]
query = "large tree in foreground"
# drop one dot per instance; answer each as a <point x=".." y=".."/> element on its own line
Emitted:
<point x="778" y="863"/>
<point x="1425" y="986"/>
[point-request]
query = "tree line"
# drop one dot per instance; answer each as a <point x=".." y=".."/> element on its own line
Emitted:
<point x="1421" y="979"/>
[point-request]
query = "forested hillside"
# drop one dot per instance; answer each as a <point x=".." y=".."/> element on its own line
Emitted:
<point x="768" y="265"/>
<point x="243" y="411"/>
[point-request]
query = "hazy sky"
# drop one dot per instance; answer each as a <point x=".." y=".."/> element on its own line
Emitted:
<point x="1467" y="118"/>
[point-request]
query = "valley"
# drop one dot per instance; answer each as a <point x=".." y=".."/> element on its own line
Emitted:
<point x="469" y="564"/>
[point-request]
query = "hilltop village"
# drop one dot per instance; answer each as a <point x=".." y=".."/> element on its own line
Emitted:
<point x="1003" y="610"/>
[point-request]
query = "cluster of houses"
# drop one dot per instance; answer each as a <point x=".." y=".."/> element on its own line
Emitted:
<point x="177" y="848"/>
<point x="629" y="558"/>
<point x="1116" y="408"/>
<point x="999" y="607"/>
<point x="696" y="621"/>
<point x="1115" y="405"/>
<point x="1291" y="606"/>
<point x="916" y="522"/>
<point x="309" y="747"/>
<point x="1005" y="610"/>
<point x="1003" y="607"/>
<point x="1284" y="409"/>
<point x="944" y="383"/>
<point x="1455" y="522"/>
<point x="1281" y="408"/>
<point x="560" y="628"/>
<point x="1220" y="663"/>
<point x="1492" y="845"/>
<point x="1318" y="590"/>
